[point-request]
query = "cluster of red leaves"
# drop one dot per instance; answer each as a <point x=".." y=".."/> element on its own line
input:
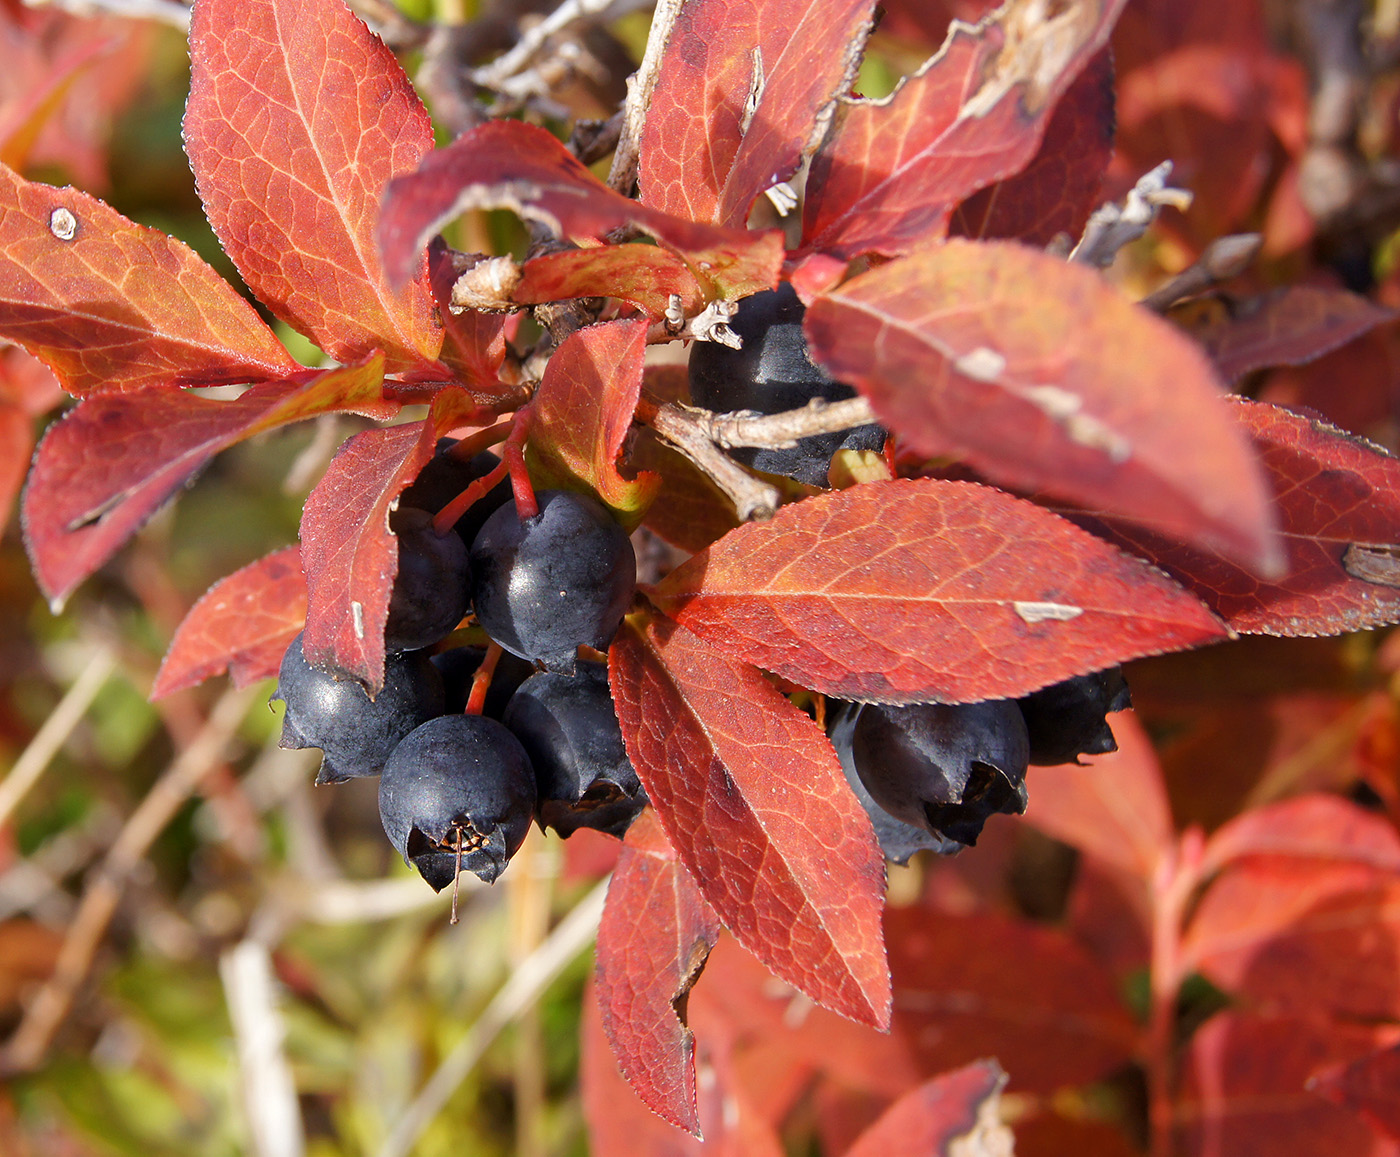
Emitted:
<point x="1124" y="509"/>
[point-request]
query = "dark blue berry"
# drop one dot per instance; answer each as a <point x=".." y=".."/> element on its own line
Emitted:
<point x="1067" y="720"/>
<point x="432" y="589"/>
<point x="457" y="791"/>
<point x="445" y="476"/>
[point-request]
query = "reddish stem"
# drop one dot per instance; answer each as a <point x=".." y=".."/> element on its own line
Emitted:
<point x="514" y="454"/>
<point x="481" y="680"/>
<point x="473" y="444"/>
<point x="1177" y="878"/>
<point x="446" y="518"/>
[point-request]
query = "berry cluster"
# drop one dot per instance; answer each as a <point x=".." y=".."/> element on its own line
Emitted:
<point x="931" y="774"/>
<point x="459" y="790"/>
<point x="928" y="774"/>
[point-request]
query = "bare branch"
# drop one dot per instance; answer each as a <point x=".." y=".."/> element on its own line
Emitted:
<point x="752" y="499"/>
<point x="1223" y="258"/>
<point x="1113" y="226"/>
<point x="170" y="12"/>
<point x="640" y="85"/>
<point x="744" y="428"/>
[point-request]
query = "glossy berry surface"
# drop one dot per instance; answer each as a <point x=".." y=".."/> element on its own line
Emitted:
<point x="545" y="586"/>
<point x="898" y="840"/>
<point x="445" y="476"/>
<point x="457" y="779"/>
<point x="355" y="734"/>
<point x="1068" y="719"/>
<point x="583" y="776"/>
<point x="432" y="589"/>
<point x="943" y="767"/>
<point x="771" y="373"/>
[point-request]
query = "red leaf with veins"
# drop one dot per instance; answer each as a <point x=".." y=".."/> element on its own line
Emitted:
<point x="914" y="591"/>
<point x="111" y="305"/>
<point x="1042" y="377"/>
<point x="645" y="275"/>
<point x="1338" y="498"/>
<point x="656" y="932"/>
<point x="958" y="1110"/>
<point x="1058" y="190"/>
<point x="114" y="459"/>
<point x="1115" y="807"/>
<point x="744" y="92"/>
<point x="297" y="118"/>
<point x="242" y="625"/>
<point x="753" y="799"/>
<point x="889" y="171"/>
<point x="582" y="412"/>
<point x="511" y="165"/>
<point x="347" y="551"/>
<point x="1287" y="327"/>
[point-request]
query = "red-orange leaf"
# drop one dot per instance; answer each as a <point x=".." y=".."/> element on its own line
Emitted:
<point x="655" y="935"/>
<point x="1246" y="1088"/>
<point x="753" y="800"/>
<point x="27" y="389"/>
<point x="474" y="342"/>
<point x="1287" y="327"/>
<point x="114" y="459"/>
<point x="347" y="551"/>
<point x="1338" y="499"/>
<point x="972" y="986"/>
<point x="1042" y="377"/>
<point x="582" y="412"/>
<point x="889" y="170"/>
<point x="297" y="118"/>
<point x="111" y="305"/>
<point x="646" y="275"/>
<point x="934" y="1117"/>
<point x="743" y="92"/>
<point x="1115" y="807"/>
<point x="1316" y="827"/>
<point x="511" y="165"/>
<point x="1058" y="190"/>
<point x="919" y="590"/>
<point x="242" y="625"/>
<point x="1292" y="934"/>
<point x="1369" y="1086"/>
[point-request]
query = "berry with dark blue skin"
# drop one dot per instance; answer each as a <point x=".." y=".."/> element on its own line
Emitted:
<point x="545" y="586"/>
<point x="1068" y="719"/>
<point x="458" y="666"/>
<point x="432" y="589"/>
<point x="445" y="476"/>
<point x="898" y="840"/>
<point x="356" y="734"/>
<point x="458" y="791"/>
<point x="771" y="373"/>
<point x="569" y="728"/>
<point x="944" y="768"/>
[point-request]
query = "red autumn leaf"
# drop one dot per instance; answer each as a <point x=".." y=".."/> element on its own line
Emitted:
<point x="474" y="342"/>
<point x="1292" y="935"/>
<point x="656" y="932"/>
<point x="582" y="412"/>
<point x="645" y="275"/>
<point x="1058" y="190"/>
<point x="22" y="121"/>
<point x="889" y="171"/>
<point x="973" y="986"/>
<point x="1286" y="327"/>
<point x="1040" y="376"/>
<point x="753" y="799"/>
<point x="1369" y="1086"/>
<point x="349" y="555"/>
<point x="955" y="1110"/>
<point x="115" y="459"/>
<point x="511" y="165"/>
<point x="242" y="625"/>
<point x="1314" y="827"/>
<point x="27" y="389"/>
<point x="1115" y="807"/>
<point x="111" y="305"/>
<point x="743" y="93"/>
<point x="1338" y="498"/>
<point x="298" y="115"/>
<point x="1246" y="1088"/>
<point x="921" y="590"/>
